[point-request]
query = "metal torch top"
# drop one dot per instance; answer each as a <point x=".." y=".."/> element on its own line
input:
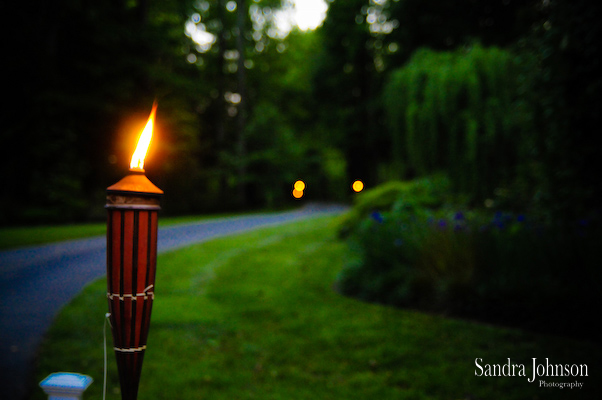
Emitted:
<point x="134" y="190"/>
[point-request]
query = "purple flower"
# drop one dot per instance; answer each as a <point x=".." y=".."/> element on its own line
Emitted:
<point x="520" y="218"/>
<point x="442" y="223"/>
<point x="459" y="216"/>
<point x="377" y="217"/>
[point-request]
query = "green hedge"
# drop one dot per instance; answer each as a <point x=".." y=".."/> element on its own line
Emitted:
<point x="429" y="191"/>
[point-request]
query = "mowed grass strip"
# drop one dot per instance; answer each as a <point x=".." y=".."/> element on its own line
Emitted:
<point x="13" y="237"/>
<point x="255" y="316"/>
<point x="19" y="236"/>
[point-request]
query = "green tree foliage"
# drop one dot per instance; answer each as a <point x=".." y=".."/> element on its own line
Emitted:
<point x="272" y="142"/>
<point x="365" y="40"/>
<point x="451" y="112"/>
<point x="282" y="142"/>
<point x="275" y="159"/>
<point x="79" y="101"/>
<point x="81" y="77"/>
<point x="347" y="82"/>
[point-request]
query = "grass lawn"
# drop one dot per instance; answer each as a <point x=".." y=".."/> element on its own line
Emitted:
<point x="32" y="235"/>
<point x="13" y="237"/>
<point x="255" y="316"/>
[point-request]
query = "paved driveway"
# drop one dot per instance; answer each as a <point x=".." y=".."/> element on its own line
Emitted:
<point x="35" y="282"/>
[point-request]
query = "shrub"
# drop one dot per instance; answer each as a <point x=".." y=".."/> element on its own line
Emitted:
<point x="431" y="191"/>
<point x="502" y="268"/>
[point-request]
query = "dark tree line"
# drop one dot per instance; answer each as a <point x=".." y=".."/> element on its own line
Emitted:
<point x="245" y="114"/>
<point x="568" y="91"/>
<point x="554" y="80"/>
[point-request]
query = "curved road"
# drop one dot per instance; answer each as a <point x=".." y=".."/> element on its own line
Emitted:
<point x="35" y="282"/>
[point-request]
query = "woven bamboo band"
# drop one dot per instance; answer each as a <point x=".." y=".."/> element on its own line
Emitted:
<point x="131" y="296"/>
<point x="145" y="295"/>
<point x="130" y="350"/>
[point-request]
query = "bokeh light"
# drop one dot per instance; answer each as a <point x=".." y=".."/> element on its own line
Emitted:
<point x="357" y="186"/>
<point x="297" y="194"/>
<point x="299" y="186"/>
<point x="231" y="6"/>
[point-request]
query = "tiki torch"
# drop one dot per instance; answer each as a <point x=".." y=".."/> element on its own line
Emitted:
<point x="132" y="208"/>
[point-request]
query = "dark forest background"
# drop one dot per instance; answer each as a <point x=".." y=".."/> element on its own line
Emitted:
<point x="502" y="96"/>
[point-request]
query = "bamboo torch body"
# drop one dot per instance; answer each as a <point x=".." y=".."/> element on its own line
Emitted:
<point x="132" y="213"/>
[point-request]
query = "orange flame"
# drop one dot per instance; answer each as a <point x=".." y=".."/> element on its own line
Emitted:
<point x="137" y="162"/>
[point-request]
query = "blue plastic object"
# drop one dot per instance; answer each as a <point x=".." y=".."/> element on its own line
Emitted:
<point x="65" y="385"/>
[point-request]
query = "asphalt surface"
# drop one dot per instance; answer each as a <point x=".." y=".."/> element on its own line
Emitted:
<point x="35" y="282"/>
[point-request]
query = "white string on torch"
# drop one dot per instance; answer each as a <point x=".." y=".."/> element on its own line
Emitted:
<point x="104" y="334"/>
